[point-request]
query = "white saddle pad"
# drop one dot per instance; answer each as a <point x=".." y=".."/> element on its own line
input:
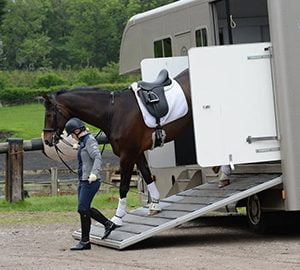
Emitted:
<point x="176" y="101"/>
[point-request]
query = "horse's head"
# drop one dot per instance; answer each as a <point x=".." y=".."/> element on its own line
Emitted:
<point x="55" y="119"/>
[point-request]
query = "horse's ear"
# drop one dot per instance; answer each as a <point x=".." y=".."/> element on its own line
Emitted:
<point x="47" y="98"/>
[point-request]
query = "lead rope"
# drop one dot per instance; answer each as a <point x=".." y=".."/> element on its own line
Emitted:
<point x="59" y="151"/>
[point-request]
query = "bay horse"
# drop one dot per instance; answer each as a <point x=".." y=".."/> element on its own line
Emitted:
<point x="118" y="115"/>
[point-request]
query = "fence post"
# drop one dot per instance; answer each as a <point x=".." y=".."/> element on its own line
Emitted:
<point x="14" y="171"/>
<point x="54" y="185"/>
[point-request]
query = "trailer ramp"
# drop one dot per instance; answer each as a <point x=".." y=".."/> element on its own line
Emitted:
<point x="180" y="208"/>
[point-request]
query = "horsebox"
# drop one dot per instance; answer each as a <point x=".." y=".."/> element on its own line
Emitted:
<point x="244" y="75"/>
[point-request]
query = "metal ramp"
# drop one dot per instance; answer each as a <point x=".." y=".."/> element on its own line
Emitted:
<point x="180" y="208"/>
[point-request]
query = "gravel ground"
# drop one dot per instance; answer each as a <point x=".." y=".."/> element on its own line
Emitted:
<point x="206" y="243"/>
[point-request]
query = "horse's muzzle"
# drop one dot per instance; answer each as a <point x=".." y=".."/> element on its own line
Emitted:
<point x="51" y="141"/>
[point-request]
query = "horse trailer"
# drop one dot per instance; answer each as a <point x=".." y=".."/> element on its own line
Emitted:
<point x="244" y="76"/>
<point x="172" y="30"/>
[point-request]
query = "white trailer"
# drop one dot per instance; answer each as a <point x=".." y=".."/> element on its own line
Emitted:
<point x="226" y="22"/>
<point x="245" y="94"/>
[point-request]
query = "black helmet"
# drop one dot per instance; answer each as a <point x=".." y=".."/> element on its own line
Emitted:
<point x="72" y="124"/>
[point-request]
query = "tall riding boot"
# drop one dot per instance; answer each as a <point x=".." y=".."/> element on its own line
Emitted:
<point x="108" y="225"/>
<point x="85" y="233"/>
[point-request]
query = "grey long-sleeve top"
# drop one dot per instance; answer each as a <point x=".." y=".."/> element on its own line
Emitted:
<point x="89" y="157"/>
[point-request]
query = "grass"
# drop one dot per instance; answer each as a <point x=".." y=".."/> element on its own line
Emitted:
<point x="60" y="208"/>
<point x="25" y="121"/>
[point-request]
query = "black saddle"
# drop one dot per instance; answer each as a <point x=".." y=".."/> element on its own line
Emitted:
<point x="162" y="80"/>
<point x="153" y="96"/>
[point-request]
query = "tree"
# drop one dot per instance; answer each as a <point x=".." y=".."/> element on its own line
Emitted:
<point x="23" y="34"/>
<point x="92" y="35"/>
<point x="2" y="6"/>
<point x="65" y="33"/>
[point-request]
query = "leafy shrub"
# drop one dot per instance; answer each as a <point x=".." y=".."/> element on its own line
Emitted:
<point x="22" y="95"/>
<point x="49" y="79"/>
<point x="90" y="76"/>
<point x="113" y="86"/>
<point x="3" y="81"/>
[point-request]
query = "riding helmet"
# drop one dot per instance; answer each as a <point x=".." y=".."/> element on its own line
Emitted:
<point x="72" y="124"/>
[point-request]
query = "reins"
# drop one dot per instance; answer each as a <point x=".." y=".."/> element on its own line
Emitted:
<point x="58" y="151"/>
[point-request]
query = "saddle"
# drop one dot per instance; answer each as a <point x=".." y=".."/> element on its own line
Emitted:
<point x="153" y="97"/>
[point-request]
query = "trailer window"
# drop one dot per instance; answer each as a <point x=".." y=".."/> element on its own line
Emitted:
<point x="163" y="48"/>
<point x="201" y="37"/>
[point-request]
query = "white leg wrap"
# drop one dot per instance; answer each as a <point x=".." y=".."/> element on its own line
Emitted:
<point x="154" y="193"/>
<point x="120" y="213"/>
<point x="226" y="169"/>
<point x="118" y="221"/>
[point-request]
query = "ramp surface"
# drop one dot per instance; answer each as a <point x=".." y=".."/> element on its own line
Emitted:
<point x="180" y="208"/>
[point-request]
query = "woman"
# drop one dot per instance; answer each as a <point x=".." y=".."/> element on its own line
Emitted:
<point x="89" y="167"/>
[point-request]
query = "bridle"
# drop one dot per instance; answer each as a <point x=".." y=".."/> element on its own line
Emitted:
<point x="57" y="136"/>
<point x="56" y="129"/>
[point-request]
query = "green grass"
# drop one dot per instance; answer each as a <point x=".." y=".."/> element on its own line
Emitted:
<point x="60" y="208"/>
<point x="68" y="202"/>
<point x="26" y="121"/>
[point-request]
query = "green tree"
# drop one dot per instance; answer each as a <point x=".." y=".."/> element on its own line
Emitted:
<point x="23" y="34"/>
<point x="65" y="33"/>
<point x="58" y="30"/>
<point x="2" y="6"/>
<point x="92" y="34"/>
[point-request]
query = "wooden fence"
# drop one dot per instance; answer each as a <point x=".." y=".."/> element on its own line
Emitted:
<point x="58" y="181"/>
<point x="13" y="186"/>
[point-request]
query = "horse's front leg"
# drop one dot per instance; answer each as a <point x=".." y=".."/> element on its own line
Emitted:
<point x="126" y="167"/>
<point x="154" y="193"/>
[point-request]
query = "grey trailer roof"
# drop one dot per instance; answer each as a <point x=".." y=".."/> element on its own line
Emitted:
<point x="130" y="58"/>
<point x="165" y="9"/>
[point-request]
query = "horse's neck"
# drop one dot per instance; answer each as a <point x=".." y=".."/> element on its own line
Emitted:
<point x="91" y="107"/>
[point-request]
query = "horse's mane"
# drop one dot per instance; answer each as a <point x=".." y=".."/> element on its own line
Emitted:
<point x="80" y="89"/>
<point x="87" y="89"/>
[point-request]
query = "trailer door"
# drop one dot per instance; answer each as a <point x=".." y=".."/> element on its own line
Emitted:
<point x="233" y="104"/>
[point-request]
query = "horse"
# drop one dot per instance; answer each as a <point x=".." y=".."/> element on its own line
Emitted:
<point x="117" y="114"/>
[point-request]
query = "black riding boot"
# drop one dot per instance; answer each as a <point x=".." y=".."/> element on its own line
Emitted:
<point x="98" y="216"/>
<point x="108" y="225"/>
<point x="85" y="233"/>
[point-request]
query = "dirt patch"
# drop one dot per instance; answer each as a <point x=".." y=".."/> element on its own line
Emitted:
<point x="215" y="243"/>
<point x="4" y="135"/>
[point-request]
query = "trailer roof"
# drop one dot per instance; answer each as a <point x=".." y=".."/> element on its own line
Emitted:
<point x="165" y="9"/>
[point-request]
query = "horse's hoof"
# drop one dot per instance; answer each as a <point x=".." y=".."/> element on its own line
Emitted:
<point x="154" y="209"/>
<point x="153" y="212"/>
<point x="117" y="220"/>
<point x="223" y="183"/>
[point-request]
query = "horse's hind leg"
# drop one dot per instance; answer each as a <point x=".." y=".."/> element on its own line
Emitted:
<point x="126" y="166"/>
<point x="154" y="193"/>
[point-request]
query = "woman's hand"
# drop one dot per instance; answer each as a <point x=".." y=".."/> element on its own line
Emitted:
<point x="92" y="178"/>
